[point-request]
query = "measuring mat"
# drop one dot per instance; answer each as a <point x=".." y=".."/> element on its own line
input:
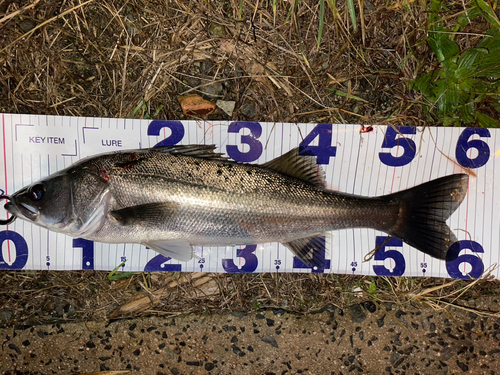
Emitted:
<point x="367" y="161"/>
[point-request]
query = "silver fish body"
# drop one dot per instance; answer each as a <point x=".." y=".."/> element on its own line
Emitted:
<point x="173" y="198"/>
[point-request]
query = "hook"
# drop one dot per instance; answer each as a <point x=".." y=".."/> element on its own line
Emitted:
<point x="12" y="218"/>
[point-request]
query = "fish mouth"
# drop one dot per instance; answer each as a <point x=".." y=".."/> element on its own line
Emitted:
<point x="22" y="210"/>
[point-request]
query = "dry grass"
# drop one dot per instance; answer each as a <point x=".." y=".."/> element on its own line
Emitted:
<point x="122" y="58"/>
<point x="104" y="58"/>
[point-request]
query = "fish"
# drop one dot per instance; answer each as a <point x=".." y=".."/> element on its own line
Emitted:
<point x="173" y="198"/>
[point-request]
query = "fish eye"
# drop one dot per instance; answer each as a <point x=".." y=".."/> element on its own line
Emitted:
<point x="36" y="192"/>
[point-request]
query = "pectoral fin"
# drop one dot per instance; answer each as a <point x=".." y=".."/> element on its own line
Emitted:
<point x="310" y="250"/>
<point x="177" y="249"/>
<point x="145" y="214"/>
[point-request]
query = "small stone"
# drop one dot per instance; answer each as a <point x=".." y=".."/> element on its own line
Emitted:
<point x="357" y="314"/>
<point x="15" y="348"/>
<point x="370" y="306"/>
<point x="226" y="106"/>
<point x="90" y="345"/>
<point x="380" y="322"/>
<point x="462" y="366"/>
<point x="394" y="357"/>
<point x="238" y="351"/>
<point x="270" y="340"/>
<point x="214" y="89"/>
<point x="209" y="366"/>
<point x="238" y="314"/>
<point x="217" y="30"/>
<point x="27" y="25"/>
<point x="5" y="316"/>
<point x="248" y="110"/>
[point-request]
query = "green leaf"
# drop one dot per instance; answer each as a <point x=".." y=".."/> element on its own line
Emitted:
<point x="467" y="113"/>
<point x="352" y="13"/>
<point x="321" y="19"/>
<point x="344" y="94"/>
<point x="467" y="64"/>
<point x="486" y="121"/>
<point x="113" y="275"/>
<point x="488" y="13"/>
<point x="449" y="120"/>
<point x="372" y="288"/>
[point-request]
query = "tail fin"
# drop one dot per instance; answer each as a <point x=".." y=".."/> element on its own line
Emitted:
<point x="424" y="210"/>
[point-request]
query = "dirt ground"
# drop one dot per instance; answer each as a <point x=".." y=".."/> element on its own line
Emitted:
<point x="134" y="59"/>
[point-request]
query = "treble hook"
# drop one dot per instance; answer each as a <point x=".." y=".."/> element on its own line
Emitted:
<point x="12" y="218"/>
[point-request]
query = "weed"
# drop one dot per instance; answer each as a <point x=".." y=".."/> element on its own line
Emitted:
<point x="465" y="88"/>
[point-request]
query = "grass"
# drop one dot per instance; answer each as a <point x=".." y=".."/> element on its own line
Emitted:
<point x="464" y="87"/>
<point x="371" y="62"/>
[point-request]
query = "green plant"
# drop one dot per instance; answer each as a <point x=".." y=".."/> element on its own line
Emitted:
<point x="115" y="275"/>
<point x="467" y="83"/>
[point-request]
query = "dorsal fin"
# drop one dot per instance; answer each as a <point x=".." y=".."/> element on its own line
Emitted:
<point x="302" y="167"/>
<point x="198" y="151"/>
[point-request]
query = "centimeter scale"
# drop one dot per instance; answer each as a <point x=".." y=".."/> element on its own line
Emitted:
<point x="368" y="161"/>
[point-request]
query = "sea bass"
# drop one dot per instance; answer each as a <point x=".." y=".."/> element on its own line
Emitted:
<point x="173" y="198"/>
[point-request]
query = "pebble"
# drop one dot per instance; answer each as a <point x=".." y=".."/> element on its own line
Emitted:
<point x="226" y="106"/>
<point x="357" y="314"/>
<point x="248" y="110"/>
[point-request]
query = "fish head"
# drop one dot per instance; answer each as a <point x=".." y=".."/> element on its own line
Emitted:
<point x="74" y="201"/>
<point x="46" y="203"/>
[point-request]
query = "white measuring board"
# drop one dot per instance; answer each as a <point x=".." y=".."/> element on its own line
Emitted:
<point x="369" y="161"/>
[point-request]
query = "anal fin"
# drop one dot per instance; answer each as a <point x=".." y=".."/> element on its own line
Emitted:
<point x="310" y="250"/>
<point x="177" y="249"/>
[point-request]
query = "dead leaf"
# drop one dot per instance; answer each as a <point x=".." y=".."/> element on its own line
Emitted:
<point x="195" y="105"/>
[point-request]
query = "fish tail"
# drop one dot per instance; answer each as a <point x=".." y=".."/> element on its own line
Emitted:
<point x="424" y="210"/>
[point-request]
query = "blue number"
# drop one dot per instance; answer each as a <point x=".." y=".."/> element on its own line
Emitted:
<point x="87" y="252"/>
<point x="21" y="250"/>
<point x="453" y="260"/>
<point x="175" y="126"/>
<point x="396" y="256"/>
<point x="463" y="145"/>
<point x="246" y="253"/>
<point x="392" y="140"/>
<point x="324" y="150"/>
<point x="158" y="264"/>
<point x="324" y="263"/>
<point x="255" y="147"/>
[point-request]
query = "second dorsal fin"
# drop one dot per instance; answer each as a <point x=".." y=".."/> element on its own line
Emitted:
<point x="301" y="167"/>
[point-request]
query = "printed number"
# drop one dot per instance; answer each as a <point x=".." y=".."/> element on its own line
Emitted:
<point x="158" y="263"/>
<point x="354" y="265"/>
<point x="246" y="253"/>
<point x="324" y="150"/>
<point x="324" y="263"/>
<point x="398" y="258"/>
<point x="255" y="147"/>
<point x="392" y="139"/>
<point x="454" y="263"/>
<point x="47" y="260"/>
<point x="21" y="248"/>
<point x="175" y="126"/>
<point x="87" y="252"/>
<point x="277" y="263"/>
<point x="201" y="262"/>
<point x="464" y="145"/>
